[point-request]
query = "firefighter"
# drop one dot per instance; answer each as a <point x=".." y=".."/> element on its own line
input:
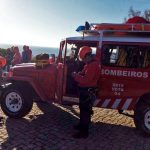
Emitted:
<point x="87" y="80"/>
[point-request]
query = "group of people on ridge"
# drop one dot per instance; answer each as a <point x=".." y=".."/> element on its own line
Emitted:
<point x="14" y="57"/>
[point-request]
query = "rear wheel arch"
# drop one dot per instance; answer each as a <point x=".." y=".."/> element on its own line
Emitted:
<point x="142" y="114"/>
<point x="145" y="98"/>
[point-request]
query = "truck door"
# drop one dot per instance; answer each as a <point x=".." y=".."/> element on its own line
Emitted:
<point x="65" y="90"/>
<point x="60" y="73"/>
<point x="73" y="64"/>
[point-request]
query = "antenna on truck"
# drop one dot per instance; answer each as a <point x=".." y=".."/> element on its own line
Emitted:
<point x="87" y="26"/>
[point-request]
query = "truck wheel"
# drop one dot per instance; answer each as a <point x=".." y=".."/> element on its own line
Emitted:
<point x="142" y="118"/>
<point x="16" y="102"/>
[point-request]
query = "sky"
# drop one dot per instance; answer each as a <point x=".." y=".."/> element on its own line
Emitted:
<point x="46" y="22"/>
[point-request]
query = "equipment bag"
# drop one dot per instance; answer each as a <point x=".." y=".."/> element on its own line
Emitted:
<point x="42" y="60"/>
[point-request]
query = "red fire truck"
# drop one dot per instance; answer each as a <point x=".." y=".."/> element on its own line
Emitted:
<point x="123" y="51"/>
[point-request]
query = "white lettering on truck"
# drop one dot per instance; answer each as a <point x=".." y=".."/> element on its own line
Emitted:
<point x="122" y="73"/>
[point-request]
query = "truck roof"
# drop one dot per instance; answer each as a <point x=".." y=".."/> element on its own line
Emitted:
<point x="133" y="32"/>
<point x="111" y="39"/>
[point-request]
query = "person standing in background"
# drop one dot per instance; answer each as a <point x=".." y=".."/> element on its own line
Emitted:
<point x="2" y="64"/>
<point x="25" y="55"/>
<point x="16" y="57"/>
<point x="12" y="49"/>
<point x="29" y="53"/>
<point x="9" y="58"/>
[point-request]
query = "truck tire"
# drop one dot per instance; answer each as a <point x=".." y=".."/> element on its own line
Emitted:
<point x="16" y="102"/>
<point x="142" y="118"/>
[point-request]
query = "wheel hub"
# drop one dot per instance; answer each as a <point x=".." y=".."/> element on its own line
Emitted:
<point x="147" y="119"/>
<point x="14" y="101"/>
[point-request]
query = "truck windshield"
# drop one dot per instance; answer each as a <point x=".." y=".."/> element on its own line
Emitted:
<point x="73" y="49"/>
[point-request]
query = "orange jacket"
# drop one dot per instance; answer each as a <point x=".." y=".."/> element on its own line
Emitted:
<point x="89" y="76"/>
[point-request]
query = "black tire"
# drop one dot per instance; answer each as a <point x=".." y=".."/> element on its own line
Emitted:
<point x="142" y="118"/>
<point x="16" y="102"/>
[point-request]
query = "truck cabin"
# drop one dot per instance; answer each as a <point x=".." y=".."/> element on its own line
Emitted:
<point x="115" y="49"/>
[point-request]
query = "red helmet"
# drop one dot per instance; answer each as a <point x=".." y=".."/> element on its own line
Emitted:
<point x="83" y="51"/>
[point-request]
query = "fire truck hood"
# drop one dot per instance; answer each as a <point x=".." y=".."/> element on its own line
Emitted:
<point x="23" y="66"/>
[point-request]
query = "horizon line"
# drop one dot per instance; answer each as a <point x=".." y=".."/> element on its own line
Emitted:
<point x="28" y="45"/>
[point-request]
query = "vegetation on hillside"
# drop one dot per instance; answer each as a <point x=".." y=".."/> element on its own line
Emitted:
<point x="132" y="13"/>
<point x="2" y="52"/>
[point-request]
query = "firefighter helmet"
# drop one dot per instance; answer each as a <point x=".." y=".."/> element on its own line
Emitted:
<point x="83" y="51"/>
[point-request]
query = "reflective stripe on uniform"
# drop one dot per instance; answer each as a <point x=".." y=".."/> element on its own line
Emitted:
<point x="71" y="99"/>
